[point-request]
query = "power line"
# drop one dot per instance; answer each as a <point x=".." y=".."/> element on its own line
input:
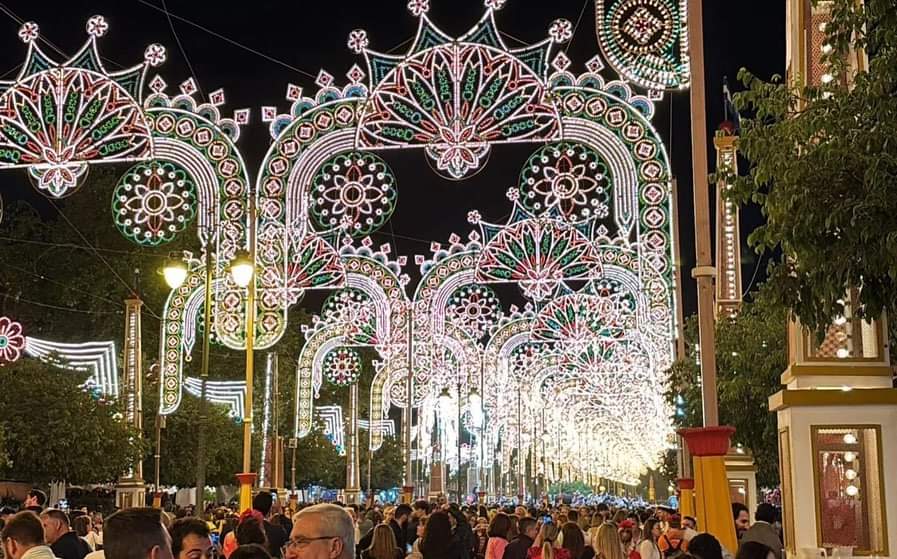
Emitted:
<point x="17" y="299"/>
<point x="74" y="245"/>
<point x="99" y="256"/>
<point x="228" y="39"/>
<point x="181" y="47"/>
<point x="65" y="285"/>
<point x="579" y="19"/>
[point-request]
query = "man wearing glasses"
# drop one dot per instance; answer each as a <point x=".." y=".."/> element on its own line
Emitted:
<point x="321" y="532"/>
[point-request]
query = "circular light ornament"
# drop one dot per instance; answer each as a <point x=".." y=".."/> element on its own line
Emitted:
<point x="342" y="366"/>
<point x="852" y="490"/>
<point x="850" y="456"/>
<point x="356" y="190"/>
<point x="153" y="202"/>
<point x="569" y="177"/>
<point x="850" y="438"/>
<point x="850" y="474"/>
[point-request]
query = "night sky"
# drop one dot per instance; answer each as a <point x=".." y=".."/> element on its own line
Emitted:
<point x="302" y="37"/>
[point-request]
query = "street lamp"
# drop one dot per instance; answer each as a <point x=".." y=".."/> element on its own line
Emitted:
<point x="175" y="272"/>
<point x="242" y="270"/>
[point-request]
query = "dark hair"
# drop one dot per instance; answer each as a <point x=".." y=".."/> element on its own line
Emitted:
<point x="132" y="533"/>
<point x="766" y="513"/>
<point x="422" y="505"/>
<point x="250" y="551"/>
<point x="573" y="515"/>
<point x="81" y="525"/>
<point x="648" y="530"/>
<point x="525" y="524"/>
<point x="250" y="531"/>
<point x="183" y="527"/>
<point x="39" y="495"/>
<point x="437" y="535"/>
<point x="263" y="502"/>
<point x="693" y="520"/>
<point x="752" y="550"/>
<point x="499" y="526"/>
<point x="738" y="508"/>
<point x="7" y="511"/>
<point x="573" y="540"/>
<point x="25" y="528"/>
<point x="56" y="514"/>
<point x="401" y="510"/>
<point x="705" y="546"/>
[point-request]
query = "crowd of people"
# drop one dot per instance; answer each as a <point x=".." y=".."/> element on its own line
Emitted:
<point x="423" y="530"/>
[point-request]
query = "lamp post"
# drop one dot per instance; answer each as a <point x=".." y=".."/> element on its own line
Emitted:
<point x="445" y="400"/>
<point x="175" y="274"/>
<point x="475" y="403"/>
<point x="243" y="272"/>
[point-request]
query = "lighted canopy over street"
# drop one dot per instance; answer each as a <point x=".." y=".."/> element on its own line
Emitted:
<point x="588" y="240"/>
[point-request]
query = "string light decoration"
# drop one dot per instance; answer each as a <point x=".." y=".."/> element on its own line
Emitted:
<point x="153" y="202"/>
<point x="342" y="366"/>
<point x="99" y="359"/>
<point x="646" y="41"/>
<point x="536" y="253"/>
<point x="588" y="239"/>
<point x="56" y="117"/>
<point x="354" y="190"/>
<point x="223" y="392"/>
<point x="456" y="97"/>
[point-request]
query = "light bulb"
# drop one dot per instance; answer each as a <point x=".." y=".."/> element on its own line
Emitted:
<point x="850" y="474"/>
<point x="852" y="490"/>
<point x="849" y="456"/>
<point x="242" y="269"/>
<point x="175" y="274"/>
<point x="843" y="353"/>
<point x="850" y="438"/>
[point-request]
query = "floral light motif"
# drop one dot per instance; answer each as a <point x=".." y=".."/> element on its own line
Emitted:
<point x="358" y="41"/>
<point x="29" y="32"/>
<point x="355" y="189"/>
<point x="12" y="341"/>
<point x="567" y="176"/>
<point x="538" y="254"/>
<point x="153" y="202"/>
<point x="418" y="7"/>
<point x="342" y="366"/>
<point x="561" y="31"/>
<point x="457" y="99"/>
<point x="97" y="26"/>
<point x="154" y="55"/>
<point x="474" y="309"/>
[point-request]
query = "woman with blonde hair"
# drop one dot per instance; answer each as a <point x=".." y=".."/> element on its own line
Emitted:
<point x="545" y="545"/>
<point x="383" y="544"/>
<point x="607" y="543"/>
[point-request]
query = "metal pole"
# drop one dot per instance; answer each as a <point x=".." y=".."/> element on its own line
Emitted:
<point x="247" y="477"/>
<point x="459" y="441"/>
<point x="408" y="488"/>
<point x="204" y="375"/>
<point x="704" y="271"/>
<point x="520" y="489"/>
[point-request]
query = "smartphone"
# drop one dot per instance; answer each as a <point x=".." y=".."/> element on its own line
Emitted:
<point x="546" y="519"/>
<point x="216" y="538"/>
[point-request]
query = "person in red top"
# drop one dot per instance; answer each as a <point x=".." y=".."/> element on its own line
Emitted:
<point x="629" y="545"/>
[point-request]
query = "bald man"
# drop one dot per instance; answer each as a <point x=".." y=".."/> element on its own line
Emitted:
<point x="321" y="532"/>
